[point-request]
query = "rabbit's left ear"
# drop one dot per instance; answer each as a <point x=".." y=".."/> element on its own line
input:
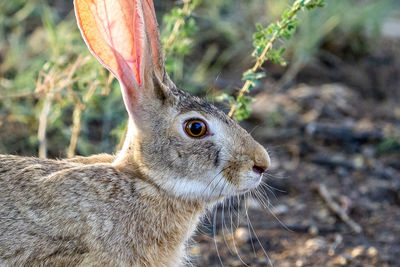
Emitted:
<point x="123" y="35"/>
<point x="154" y="36"/>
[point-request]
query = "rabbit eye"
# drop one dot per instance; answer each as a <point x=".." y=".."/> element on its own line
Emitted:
<point x="196" y="128"/>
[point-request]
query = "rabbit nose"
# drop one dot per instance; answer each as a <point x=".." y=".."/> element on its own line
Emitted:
<point x="259" y="169"/>
<point x="261" y="160"/>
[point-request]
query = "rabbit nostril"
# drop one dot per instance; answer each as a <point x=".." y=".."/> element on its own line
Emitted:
<point x="259" y="169"/>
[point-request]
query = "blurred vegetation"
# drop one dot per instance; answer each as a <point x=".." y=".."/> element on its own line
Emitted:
<point x="46" y="70"/>
<point x="178" y="28"/>
<point x="389" y="144"/>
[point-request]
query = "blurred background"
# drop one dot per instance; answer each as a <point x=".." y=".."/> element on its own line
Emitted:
<point x="330" y="119"/>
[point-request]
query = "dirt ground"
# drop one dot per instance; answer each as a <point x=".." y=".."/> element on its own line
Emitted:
<point x="333" y="194"/>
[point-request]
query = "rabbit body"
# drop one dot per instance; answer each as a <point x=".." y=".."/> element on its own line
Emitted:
<point x="140" y="207"/>
<point x="58" y="213"/>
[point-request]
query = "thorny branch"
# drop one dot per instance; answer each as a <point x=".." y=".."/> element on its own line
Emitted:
<point x="264" y="40"/>
<point x="334" y="207"/>
<point x="51" y="84"/>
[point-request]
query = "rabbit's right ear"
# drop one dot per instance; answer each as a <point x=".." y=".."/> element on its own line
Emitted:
<point x="123" y="35"/>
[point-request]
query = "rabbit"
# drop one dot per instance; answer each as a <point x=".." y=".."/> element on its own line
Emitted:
<point x="181" y="156"/>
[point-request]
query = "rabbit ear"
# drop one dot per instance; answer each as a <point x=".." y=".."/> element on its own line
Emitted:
<point x="154" y="36"/>
<point x="117" y="32"/>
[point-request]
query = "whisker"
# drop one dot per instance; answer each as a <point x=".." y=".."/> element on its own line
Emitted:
<point x="274" y="176"/>
<point x="213" y="179"/>
<point x="223" y="228"/>
<point x="238" y="213"/>
<point x="254" y="128"/>
<point x="248" y="227"/>
<point x="273" y="188"/>
<point x="214" y="234"/>
<point x="268" y="189"/>
<point x="266" y="208"/>
<point x="234" y="242"/>
<point x="258" y="240"/>
<point x="221" y="179"/>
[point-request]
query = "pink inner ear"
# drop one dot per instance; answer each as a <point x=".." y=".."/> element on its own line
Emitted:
<point x="114" y="32"/>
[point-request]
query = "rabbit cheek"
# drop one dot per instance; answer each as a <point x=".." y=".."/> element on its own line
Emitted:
<point x="231" y="172"/>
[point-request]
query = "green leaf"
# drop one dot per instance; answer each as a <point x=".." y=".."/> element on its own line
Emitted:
<point x="224" y="97"/>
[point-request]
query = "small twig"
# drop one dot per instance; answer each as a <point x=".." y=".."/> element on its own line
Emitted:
<point x="19" y="95"/>
<point x="51" y="85"/>
<point x="76" y="128"/>
<point x="45" y="84"/>
<point x="43" y="125"/>
<point x="77" y="115"/>
<point x="334" y="207"/>
<point x="106" y="89"/>
<point x="178" y="24"/>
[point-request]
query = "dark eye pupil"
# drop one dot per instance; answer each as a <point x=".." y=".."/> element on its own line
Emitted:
<point x="196" y="128"/>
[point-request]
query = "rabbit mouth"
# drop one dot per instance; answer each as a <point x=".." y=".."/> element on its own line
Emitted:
<point x="251" y="182"/>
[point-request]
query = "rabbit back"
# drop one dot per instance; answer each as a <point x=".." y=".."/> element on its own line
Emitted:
<point x="24" y="238"/>
<point x="42" y="214"/>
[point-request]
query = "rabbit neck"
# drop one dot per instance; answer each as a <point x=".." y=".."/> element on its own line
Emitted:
<point x="128" y="145"/>
<point x="128" y="157"/>
<point x="170" y="223"/>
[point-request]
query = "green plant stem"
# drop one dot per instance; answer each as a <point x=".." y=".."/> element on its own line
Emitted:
<point x="283" y="25"/>
<point x="261" y="59"/>
<point x="246" y="86"/>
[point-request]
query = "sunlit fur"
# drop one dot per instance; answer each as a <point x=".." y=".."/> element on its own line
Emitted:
<point x="137" y="208"/>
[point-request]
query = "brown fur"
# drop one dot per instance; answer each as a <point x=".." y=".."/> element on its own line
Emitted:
<point x="99" y="158"/>
<point x="60" y="213"/>
<point x="137" y="208"/>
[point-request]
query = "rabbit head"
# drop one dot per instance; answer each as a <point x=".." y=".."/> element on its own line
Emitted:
<point x="179" y="143"/>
